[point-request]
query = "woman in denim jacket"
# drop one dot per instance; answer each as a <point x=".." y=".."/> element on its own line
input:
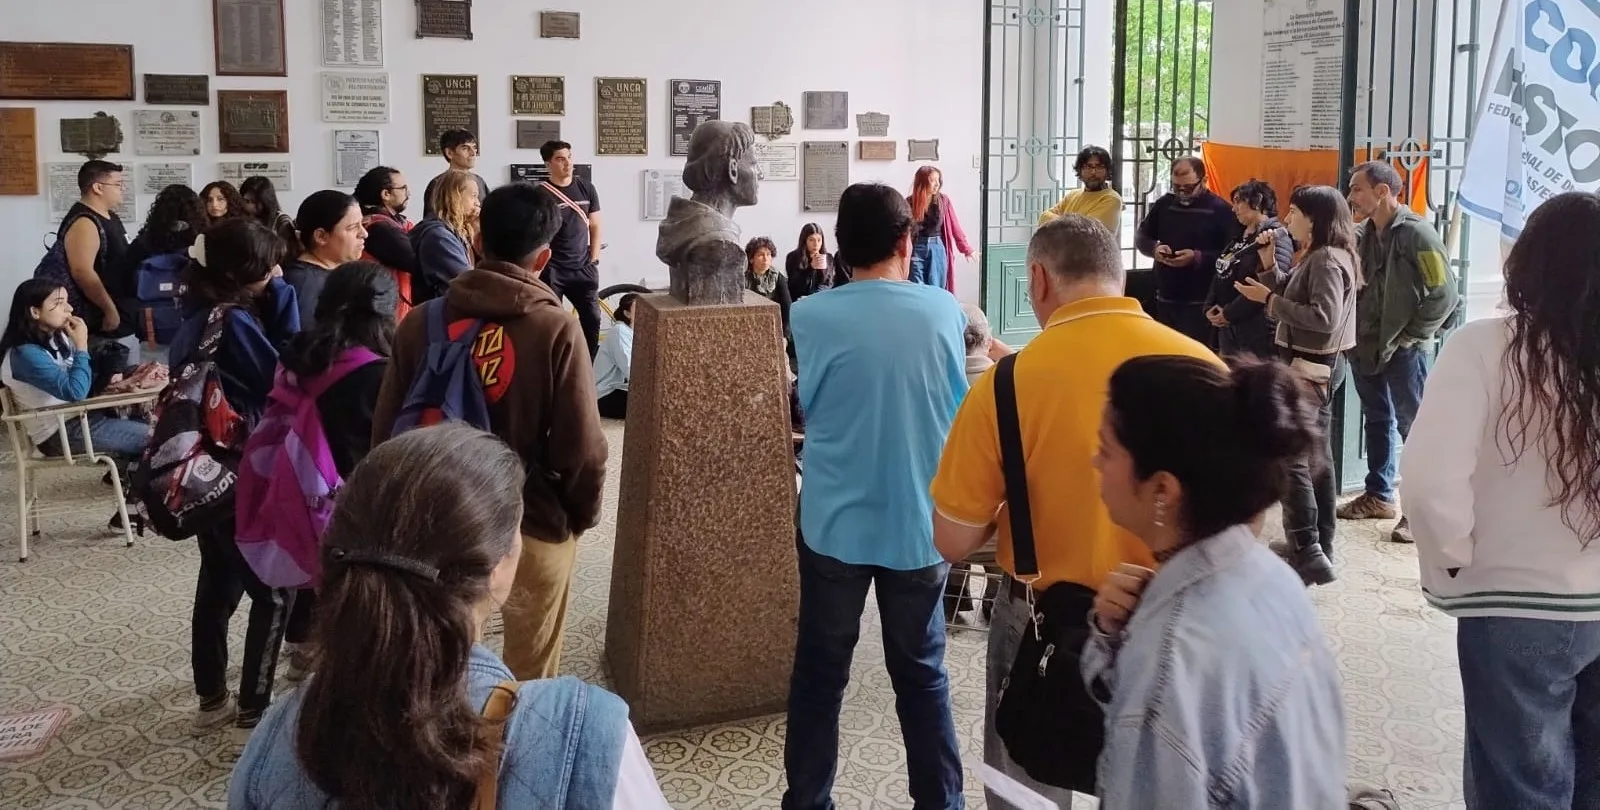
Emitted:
<point x="422" y="549"/>
<point x="1220" y="690"/>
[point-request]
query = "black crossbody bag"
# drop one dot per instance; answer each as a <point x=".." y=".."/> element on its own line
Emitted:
<point x="1046" y="718"/>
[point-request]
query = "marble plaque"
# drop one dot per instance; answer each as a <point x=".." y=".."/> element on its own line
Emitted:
<point x="694" y="102"/>
<point x="538" y="95"/>
<point x="826" y="109"/>
<point x="559" y="24"/>
<point x="93" y="137"/>
<point x="166" y="132"/>
<point x="355" y="98"/>
<point x="826" y="174"/>
<point x="153" y="177"/>
<point x="876" y="150"/>
<point x="355" y="152"/>
<point x="922" y="150"/>
<point x="660" y="186"/>
<point x="19" y="151"/>
<point x="621" y="118"/>
<point x="534" y="134"/>
<point x="778" y="161"/>
<point x="278" y="171"/>
<point x="448" y="102"/>
<point x="352" y="33"/>
<point x="66" y="71"/>
<point x="174" y="88"/>
<point x="61" y="180"/>
<point x="249" y="37"/>
<point x="872" y="125"/>
<point x="253" y="121"/>
<point x="444" y="19"/>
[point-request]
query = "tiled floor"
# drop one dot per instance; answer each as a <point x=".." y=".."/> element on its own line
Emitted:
<point x="105" y="631"/>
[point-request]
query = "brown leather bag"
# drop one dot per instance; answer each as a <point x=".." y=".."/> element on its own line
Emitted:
<point x="497" y="711"/>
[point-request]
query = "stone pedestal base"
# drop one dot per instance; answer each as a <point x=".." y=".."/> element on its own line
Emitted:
<point x="704" y="588"/>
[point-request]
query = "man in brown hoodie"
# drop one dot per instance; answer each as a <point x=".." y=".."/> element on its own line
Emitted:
<point x="539" y="386"/>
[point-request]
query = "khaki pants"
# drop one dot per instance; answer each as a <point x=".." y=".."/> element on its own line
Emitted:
<point x="536" y="613"/>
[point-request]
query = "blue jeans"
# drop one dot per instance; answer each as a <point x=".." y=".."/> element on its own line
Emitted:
<point x="929" y="261"/>
<point x="1389" y="402"/>
<point x="118" y="438"/>
<point x="1532" y="694"/>
<point x="832" y="597"/>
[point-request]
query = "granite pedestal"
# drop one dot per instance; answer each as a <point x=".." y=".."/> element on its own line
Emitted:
<point x="704" y="586"/>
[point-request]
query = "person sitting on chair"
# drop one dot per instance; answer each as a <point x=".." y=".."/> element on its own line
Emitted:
<point x="613" y="362"/>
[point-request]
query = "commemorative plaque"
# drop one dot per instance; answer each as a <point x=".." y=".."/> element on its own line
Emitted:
<point x="166" y="132"/>
<point x="154" y="177"/>
<point x="778" y="161"/>
<point x="872" y="125"/>
<point x="444" y="19"/>
<point x="249" y="37"/>
<point x="94" y="138"/>
<point x="448" y="102"/>
<point x="876" y="150"/>
<point x="352" y="33"/>
<point x="534" y="134"/>
<point x="694" y="102"/>
<point x="620" y="117"/>
<point x="826" y="109"/>
<point x="774" y="121"/>
<point x="253" y="120"/>
<point x="175" y="88"/>
<point x="558" y="24"/>
<point x="538" y="95"/>
<point x="237" y="171"/>
<point x="536" y="172"/>
<point x="355" y="98"/>
<point x="66" y="71"/>
<point x="922" y="150"/>
<point x="19" y="151"/>
<point x="826" y="174"/>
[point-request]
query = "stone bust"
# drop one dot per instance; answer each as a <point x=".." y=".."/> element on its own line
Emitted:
<point x="699" y="241"/>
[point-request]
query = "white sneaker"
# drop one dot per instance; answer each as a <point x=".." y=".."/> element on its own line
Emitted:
<point x="206" y="720"/>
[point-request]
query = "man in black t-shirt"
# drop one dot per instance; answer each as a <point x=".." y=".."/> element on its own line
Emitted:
<point x="574" y="268"/>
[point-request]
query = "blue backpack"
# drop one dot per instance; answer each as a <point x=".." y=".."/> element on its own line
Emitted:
<point x="157" y="283"/>
<point x="447" y="387"/>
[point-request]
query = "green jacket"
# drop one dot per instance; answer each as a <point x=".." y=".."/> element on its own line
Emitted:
<point x="1410" y="289"/>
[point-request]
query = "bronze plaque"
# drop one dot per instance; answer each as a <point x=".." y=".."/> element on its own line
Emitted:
<point x="558" y="24"/>
<point x="538" y="95"/>
<point x="176" y="88"/>
<point x="249" y="37"/>
<point x="253" y="121"/>
<point x="876" y="150"/>
<point x="448" y="102"/>
<point x="19" y="152"/>
<point x="66" y="71"/>
<point x="444" y="19"/>
<point x="534" y="134"/>
<point x="94" y="137"/>
<point x="620" y="117"/>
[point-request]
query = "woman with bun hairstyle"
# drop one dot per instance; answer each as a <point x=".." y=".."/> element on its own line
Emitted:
<point x="440" y="723"/>
<point x="1315" y="308"/>
<point x="1220" y="689"/>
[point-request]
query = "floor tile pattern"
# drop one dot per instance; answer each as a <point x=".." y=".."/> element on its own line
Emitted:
<point x="105" y="630"/>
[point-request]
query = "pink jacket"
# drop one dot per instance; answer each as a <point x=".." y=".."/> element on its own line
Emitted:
<point x="954" y="239"/>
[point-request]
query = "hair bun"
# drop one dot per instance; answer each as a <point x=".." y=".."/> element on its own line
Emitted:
<point x="1277" y="409"/>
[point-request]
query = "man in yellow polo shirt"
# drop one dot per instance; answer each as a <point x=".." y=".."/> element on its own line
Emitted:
<point x="1075" y="283"/>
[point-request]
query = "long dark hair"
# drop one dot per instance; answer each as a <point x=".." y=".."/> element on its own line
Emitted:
<point x="356" y="308"/>
<point x="176" y="217"/>
<point x="230" y="194"/>
<point x="625" y="308"/>
<point x="1552" y="363"/>
<point x="419" y="527"/>
<point x="265" y="194"/>
<point x="805" y="234"/>
<point x="1227" y="436"/>
<point x="21" y="327"/>
<point x="1332" y="225"/>
<point x="239" y="252"/>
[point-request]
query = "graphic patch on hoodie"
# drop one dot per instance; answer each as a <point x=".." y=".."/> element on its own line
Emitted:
<point x="494" y="356"/>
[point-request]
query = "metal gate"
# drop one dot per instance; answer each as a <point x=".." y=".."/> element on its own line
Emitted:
<point x="1033" y="120"/>
<point x="1409" y="96"/>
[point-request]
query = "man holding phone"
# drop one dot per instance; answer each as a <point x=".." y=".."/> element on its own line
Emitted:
<point x="1186" y="231"/>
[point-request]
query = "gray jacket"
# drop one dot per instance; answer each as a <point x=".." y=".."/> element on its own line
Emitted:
<point x="1315" y="303"/>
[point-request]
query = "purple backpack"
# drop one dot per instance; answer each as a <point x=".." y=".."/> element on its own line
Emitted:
<point x="288" y="481"/>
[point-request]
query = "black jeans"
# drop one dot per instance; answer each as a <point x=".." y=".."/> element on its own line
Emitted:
<point x="615" y="404"/>
<point x="582" y="288"/>
<point x="224" y="578"/>
<point x="301" y="614"/>
<point x="1308" y="508"/>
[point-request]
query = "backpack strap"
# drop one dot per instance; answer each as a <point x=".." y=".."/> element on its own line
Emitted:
<point x="439" y="326"/>
<point x="211" y="338"/>
<point x="348" y="361"/>
<point x="502" y="699"/>
<point x="1013" y="463"/>
<point x="566" y="202"/>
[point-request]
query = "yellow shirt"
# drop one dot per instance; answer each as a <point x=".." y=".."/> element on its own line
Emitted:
<point x="1062" y="377"/>
<point x="1104" y="205"/>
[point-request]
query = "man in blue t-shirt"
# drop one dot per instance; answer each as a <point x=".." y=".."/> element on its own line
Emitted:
<point x="882" y="370"/>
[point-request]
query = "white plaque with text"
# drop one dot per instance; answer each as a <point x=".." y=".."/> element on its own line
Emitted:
<point x="352" y="33"/>
<point x="61" y="180"/>
<point x="153" y="177"/>
<point x="235" y="171"/>
<point x="660" y="186"/>
<point x="355" y="98"/>
<point x="778" y="161"/>
<point x="1302" y="65"/>
<point x="355" y="151"/>
<point x="166" y="132"/>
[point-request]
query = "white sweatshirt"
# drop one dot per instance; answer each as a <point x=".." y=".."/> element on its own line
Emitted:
<point x="1474" y="511"/>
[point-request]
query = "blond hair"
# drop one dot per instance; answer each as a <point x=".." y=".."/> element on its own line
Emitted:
<point x="449" y="203"/>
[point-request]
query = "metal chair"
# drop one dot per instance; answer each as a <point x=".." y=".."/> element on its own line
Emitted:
<point x="29" y="460"/>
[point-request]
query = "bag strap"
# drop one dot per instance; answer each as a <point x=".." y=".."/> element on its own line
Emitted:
<point x="567" y="201"/>
<point x="211" y="338"/>
<point x="502" y="699"/>
<point x="1013" y="464"/>
<point x="349" y="360"/>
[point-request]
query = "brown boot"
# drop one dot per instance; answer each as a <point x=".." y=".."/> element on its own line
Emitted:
<point x="1369" y="507"/>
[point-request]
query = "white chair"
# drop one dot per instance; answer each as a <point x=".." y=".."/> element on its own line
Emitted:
<point x="29" y="460"/>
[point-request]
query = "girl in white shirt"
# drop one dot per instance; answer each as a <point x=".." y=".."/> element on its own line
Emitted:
<point x="1501" y="479"/>
<point x="614" y="361"/>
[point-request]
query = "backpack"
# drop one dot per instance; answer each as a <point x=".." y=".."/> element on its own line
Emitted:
<point x="288" y="480"/>
<point x="155" y="310"/>
<point x="402" y="279"/>
<point x="54" y="266"/>
<point x="186" y="478"/>
<point x="447" y="387"/>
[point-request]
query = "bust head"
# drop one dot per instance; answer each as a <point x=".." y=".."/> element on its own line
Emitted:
<point x="722" y="163"/>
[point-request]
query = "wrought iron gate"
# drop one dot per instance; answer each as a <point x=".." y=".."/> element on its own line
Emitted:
<point x="1033" y="120"/>
<point x="1409" y="96"/>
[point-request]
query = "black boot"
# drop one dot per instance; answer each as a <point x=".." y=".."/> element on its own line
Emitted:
<point x="1313" y="565"/>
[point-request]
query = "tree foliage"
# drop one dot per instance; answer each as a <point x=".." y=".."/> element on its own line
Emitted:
<point x="1168" y="69"/>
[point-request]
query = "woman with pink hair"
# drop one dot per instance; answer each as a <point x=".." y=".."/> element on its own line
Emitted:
<point x="937" y="235"/>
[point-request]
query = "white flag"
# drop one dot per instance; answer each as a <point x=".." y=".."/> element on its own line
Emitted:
<point x="1536" y="133"/>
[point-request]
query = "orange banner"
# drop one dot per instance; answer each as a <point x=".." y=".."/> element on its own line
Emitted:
<point x="1286" y="169"/>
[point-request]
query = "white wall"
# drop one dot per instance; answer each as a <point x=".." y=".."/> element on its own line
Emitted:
<point x="919" y="61"/>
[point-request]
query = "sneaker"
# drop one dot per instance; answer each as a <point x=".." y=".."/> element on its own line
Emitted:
<point x="299" y="663"/>
<point x="247" y="718"/>
<point x="1369" y="507"/>
<point x="214" y="713"/>
<point x="1313" y="566"/>
<point x="1402" y="532"/>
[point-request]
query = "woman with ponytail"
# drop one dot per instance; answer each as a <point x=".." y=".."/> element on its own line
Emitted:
<point x="1219" y="688"/>
<point x="407" y="709"/>
<point x="354" y="325"/>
